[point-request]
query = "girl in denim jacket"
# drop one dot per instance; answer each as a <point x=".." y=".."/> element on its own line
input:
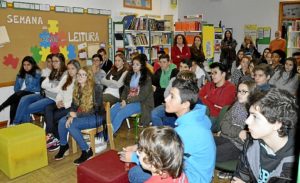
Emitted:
<point x="27" y="82"/>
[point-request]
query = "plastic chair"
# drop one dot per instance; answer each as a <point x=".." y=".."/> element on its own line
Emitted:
<point x="136" y="123"/>
<point x="227" y="166"/>
<point x="93" y="131"/>
<point x="221" y="116"/>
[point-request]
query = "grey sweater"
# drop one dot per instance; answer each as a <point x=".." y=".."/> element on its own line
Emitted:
<point x="283" y="83"/>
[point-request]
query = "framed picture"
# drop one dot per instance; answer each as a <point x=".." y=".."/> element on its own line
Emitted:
<point x="138" y="4"/>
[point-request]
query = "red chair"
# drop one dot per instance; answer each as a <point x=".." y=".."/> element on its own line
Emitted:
<point x="104" y="168"/>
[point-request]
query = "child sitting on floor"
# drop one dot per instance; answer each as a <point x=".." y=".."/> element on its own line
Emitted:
<point x="160" y="151"/>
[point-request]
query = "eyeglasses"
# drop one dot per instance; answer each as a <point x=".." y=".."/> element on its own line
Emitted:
<point x="81" y="75"/>
<point x="94" y="60"/>
<point x="243" y="92"/>
<point x="136" y="65"/>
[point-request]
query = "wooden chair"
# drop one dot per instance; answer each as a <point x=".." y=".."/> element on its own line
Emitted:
<point x="92" y="132"/>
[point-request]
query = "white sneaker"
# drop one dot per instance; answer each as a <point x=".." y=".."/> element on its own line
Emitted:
<point x="100" y="147"/>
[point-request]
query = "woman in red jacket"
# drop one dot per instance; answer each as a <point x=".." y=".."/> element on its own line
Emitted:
<point x="180" y="50"/>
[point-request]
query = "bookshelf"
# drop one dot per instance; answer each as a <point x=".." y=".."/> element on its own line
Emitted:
<point x="142" y="34"/>
<point x="190" y="26"/>
<point x="293" y="41"/>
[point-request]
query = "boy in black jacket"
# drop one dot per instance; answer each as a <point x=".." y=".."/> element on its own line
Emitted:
<point x="269" y="154"/>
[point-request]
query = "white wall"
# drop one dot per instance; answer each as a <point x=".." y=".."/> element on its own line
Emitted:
<point x="5" y="93"/>
<point x="234" y="13"/>
<point x="159" y="7"/>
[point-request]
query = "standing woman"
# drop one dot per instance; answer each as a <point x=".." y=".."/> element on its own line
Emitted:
<point x="287" y="78"/>
<point x="37" y="102"/>
<point x="84" y="114"/>
<point x="137" y="96"/>
<point x="61" y="107"/>
<point x="114" y="80"/>
<point x="228" y="46"/>
<point x="27" y="82"/>
<point x="196" y="49"/>
<point x="180" y="50"/>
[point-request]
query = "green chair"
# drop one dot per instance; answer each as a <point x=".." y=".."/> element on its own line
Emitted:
<point x="227" y="166"/>
<point x="221" y="116"/>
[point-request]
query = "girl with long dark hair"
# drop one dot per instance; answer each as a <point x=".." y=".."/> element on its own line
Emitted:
<point x="287" y="78"/>
<point x="137" y="96"/>
<point x="228" y="45"/>
<point x="27" y="82"/>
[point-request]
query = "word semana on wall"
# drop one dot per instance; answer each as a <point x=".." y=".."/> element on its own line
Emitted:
<point x="38" y="20"/>
<point x="18" y="19"/>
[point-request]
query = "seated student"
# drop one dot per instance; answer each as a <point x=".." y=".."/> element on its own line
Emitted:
<point x="242" y="74"/>
<point x="194" y="131"/>
<point x="236" y="64"/>
<point x="27" y="82"/>
<point x="99" y="73"/>
<point x="287" y="78"/>
<point x="296" y="55"/>
<point x="160" y="151"/>
<point x="161" y="78"/>
<point x="137" y="96"/>
<point x="46" y="72"/>
<point x="263" y="58"/>
<point x="277" y="60"/>
<point x="84" y="114"/>
<point x="218" y="93"/>
<point x="201" y="74"/>
<point x="61" y="107"/>
<point x="159" y="116"/>
<point x="37" y="102"/>
<point x="114" y="80"/>
<point x="262" y="75"/>
<point x="106" y="64"/>
<point x="233" y="134"/>
<point x="156" y="64"/>
<point x="269" y="153"/>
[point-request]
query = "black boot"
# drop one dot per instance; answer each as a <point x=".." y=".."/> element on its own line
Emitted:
<point x="63" y="151"/>
<point x="1" y="107"/>
<point x="85" y="155"/>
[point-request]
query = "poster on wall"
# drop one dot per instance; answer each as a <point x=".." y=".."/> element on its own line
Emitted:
<point x="208" y="40"/>
<point x="251" y="30"/>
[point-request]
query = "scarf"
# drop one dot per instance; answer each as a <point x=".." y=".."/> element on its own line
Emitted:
<point x="166" y="76"/>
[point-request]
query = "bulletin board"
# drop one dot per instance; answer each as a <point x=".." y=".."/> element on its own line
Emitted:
<point x="37" y="33"/>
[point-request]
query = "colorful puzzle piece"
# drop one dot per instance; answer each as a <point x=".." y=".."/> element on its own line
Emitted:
<point x="71" y="50"/>
<point x="54" y="48"/>
<point x="44" y="52"/>
<point x="62" y="39"/>
<point x="53" y="39"/>
<point x="64" y="51"/>
<point x="36" y="53"/>
<point x="53" y="28"/>
<point x="10" y="60"/>
<point x="45" y="39"/>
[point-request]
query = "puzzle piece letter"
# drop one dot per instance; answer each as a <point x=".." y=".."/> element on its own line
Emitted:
<point x="64" y="51"/>
<point x="71" y="50"/>
<point x="36" y="53"/>
<point x="44" y="52"/>
<point x="45" y="36"/>
<point x="10" y="60"/>
<point x="53" y="28"/>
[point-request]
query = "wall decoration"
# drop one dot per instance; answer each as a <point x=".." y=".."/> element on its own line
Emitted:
<point x="138" y="4"/>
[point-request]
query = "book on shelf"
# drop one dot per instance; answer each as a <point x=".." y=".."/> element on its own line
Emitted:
<point x="188" y="26"/>
<point x="127" y="21"/>
<point x="296" y="25"/>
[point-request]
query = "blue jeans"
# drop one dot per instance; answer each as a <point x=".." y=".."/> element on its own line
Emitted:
<point x="159" y="117"/>
<point x="30" y="104"/>
<point x="138" y="175"/>
<point x="118" y="114"/>
<point x="75" y="128"/>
